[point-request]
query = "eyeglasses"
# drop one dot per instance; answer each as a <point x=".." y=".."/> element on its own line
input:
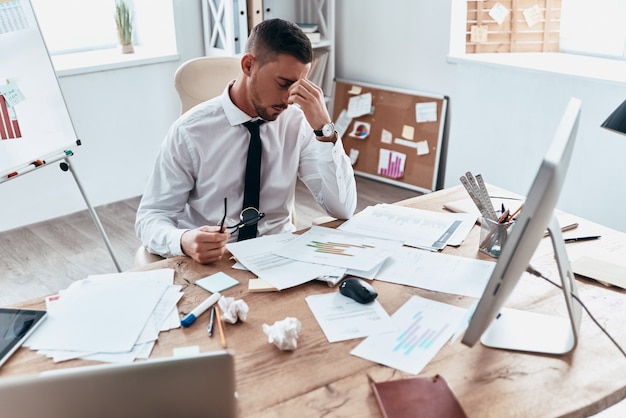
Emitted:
<point x="247" y="217"/>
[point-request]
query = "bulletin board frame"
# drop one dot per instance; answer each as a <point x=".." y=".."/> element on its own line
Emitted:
<point x="402" y="140"/>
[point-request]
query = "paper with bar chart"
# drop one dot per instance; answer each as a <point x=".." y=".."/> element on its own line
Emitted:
<point x="424" y="327"/>
<point x="340" y="249"/>
<point x="391" y="164"/>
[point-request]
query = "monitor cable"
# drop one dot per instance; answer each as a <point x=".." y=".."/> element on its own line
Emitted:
<point x="536" y="273"/>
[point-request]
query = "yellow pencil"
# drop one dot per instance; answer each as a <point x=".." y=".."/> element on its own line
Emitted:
<point x="220" y="325"/>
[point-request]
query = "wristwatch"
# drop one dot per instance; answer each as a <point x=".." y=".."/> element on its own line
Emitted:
<point x="327" y="130"/>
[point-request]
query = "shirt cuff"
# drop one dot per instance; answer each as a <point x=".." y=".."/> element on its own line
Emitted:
<point x="335" y="153"/>
<point x="175" y="249"/>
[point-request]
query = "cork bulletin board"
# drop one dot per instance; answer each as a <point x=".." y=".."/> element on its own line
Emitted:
<point x="392" y="135"/>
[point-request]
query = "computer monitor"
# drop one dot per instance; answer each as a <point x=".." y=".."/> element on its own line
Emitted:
<point x="512" y="329"/>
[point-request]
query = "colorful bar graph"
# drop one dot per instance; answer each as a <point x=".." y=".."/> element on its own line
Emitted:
<point x="336" y="248"/>
<point x="417" y="337"/>
<point x="9" y="126"/>
<point x="391" y="164"/>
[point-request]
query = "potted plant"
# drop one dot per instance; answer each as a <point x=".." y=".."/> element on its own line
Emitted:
<point x="123" y="20"/>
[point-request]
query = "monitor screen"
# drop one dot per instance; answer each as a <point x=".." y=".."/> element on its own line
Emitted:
<point x="528" y="230"/>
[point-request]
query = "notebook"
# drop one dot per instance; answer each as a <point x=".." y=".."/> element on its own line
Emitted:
<point x="419" y="397"/>
<point x="195" y="386"/>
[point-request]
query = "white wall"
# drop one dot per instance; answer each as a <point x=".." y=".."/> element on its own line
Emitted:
<point x="501" y="118"/>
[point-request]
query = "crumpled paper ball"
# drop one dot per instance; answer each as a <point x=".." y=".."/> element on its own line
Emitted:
<point x="283" y="334"/>
<point x="232" y="309"/>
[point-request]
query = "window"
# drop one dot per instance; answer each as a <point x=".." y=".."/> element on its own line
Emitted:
<point x="71" y="26"/>
<point x="594" y="27"/>
<point x="571" y="26"/>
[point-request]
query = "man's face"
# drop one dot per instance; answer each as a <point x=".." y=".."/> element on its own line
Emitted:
<point x="269" y="84"/>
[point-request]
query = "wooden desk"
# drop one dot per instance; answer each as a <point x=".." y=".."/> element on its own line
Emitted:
<point x="320" y="378"/>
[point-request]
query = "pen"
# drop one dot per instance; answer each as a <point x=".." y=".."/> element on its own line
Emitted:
<point x="211" y="322"/>
<point x="220" y="326"/>
<point x="588" y="238"/>
<point x="200" y="309"/>
<point x="514" y="214"/>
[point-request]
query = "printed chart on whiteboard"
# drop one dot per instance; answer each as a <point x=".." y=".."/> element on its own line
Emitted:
<point x="34" y="121"/>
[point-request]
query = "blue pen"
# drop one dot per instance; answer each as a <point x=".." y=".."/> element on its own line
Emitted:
<point x="200" y="309"/>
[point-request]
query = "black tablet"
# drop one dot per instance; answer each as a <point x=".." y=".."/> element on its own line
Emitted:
<point x="15" y="326"/>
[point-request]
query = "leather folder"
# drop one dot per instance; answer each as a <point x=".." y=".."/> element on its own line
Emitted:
<point x="419" y="397"/>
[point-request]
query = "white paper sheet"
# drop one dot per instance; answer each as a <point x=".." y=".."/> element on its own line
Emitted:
<point x="338" y="248"/>
<point x="103" y="313"/>
<point x="424" y="327"/>
<point x="436" y="271"/>
<point x="258" y="256"/>
<point x="415" y="227"/>
<point x="341" y="318"/>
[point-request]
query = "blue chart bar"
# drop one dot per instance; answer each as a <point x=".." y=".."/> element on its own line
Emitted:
<point x="417" y="336"/>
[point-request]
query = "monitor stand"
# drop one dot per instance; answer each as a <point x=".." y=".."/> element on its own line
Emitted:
<point x="527" y="331"/>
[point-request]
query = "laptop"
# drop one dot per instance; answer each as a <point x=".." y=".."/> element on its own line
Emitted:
<point x="196" y="386"/>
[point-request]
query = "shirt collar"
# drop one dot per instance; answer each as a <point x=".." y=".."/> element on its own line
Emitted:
<point x="234" y="115"/>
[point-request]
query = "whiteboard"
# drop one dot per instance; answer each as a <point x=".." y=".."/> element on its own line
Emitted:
<point x="34" y="121"/>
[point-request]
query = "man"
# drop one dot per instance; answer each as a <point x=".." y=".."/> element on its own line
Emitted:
<point x="202" y="161"/>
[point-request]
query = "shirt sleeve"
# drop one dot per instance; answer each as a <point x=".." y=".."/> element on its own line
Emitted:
<point x="326" y="170"/>
<point x="165" y="197"/>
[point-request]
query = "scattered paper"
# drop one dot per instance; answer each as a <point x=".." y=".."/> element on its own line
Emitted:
<point x="424" y="326"/>
<point x="414" y="227"/>
<point x="341" y="318"/>
<point x="258" y="255"/>
<point x="100" y="317"/>
<point x="337" y="248"/>
<point x="437" y="272"/>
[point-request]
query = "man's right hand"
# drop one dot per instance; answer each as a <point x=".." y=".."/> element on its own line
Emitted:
<point x="205" y="244"/>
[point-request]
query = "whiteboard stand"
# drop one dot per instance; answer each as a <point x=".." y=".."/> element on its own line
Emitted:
<point x="67" y="166"/>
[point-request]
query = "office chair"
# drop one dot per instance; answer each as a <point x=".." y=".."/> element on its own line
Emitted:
<point x="203" y="78"/>
<point x="196" y="80"/>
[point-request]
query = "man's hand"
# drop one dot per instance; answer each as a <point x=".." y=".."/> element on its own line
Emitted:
<point x="205" y="244"/>
<point x="310" y="98"/>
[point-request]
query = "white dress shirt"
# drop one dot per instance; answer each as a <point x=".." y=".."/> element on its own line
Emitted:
<point x="203" y="160"/>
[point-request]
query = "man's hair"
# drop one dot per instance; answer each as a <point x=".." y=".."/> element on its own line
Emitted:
<point x="273" y="37"/>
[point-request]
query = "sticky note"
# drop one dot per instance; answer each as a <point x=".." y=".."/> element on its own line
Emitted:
<point x="422" y="148"/>
<point x="355" y="90"/>
<point x="408" y="132"/>
<point x="217" y="282"/>
<point x="386" y="137"/>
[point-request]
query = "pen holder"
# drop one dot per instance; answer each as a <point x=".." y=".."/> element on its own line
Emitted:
<point x="493" y="236"/>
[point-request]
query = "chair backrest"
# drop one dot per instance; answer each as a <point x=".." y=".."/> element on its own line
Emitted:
<point x="200" y="79"/>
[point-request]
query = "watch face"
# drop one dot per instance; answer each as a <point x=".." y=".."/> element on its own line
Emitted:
<point x="328" y="129"/>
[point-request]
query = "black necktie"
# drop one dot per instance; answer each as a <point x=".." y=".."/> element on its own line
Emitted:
<point x="253" y="177"/>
